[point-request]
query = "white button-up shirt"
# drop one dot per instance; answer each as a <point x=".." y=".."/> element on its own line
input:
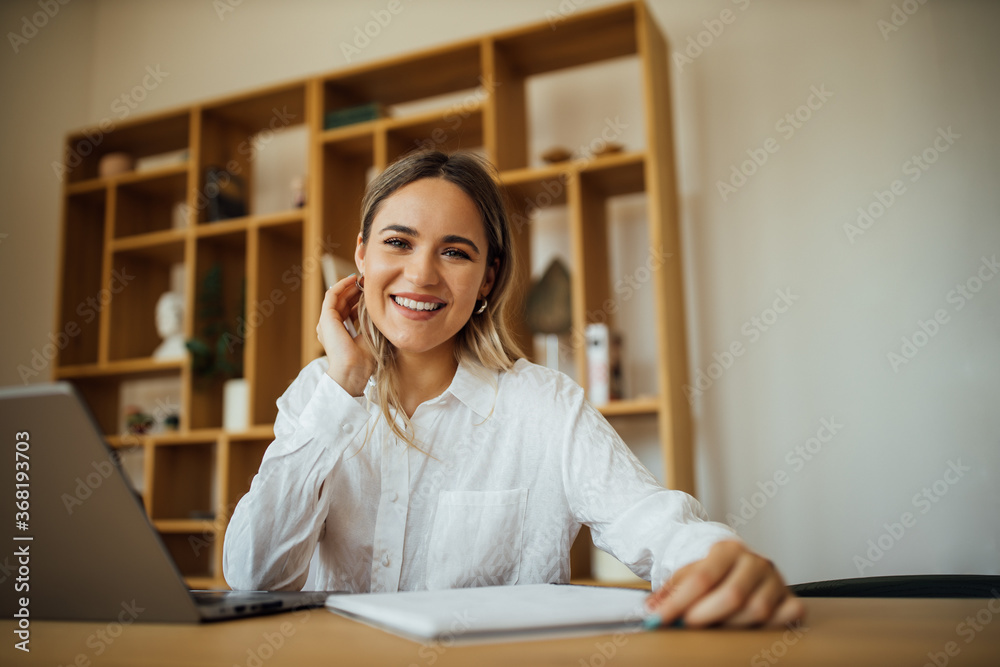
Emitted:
<point x="512" y="465"/>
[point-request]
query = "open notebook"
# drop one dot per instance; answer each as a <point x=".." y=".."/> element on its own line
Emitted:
<point x="495" y="613"/>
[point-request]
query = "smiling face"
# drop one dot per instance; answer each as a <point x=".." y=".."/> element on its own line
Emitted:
<point x="425" y="265"/>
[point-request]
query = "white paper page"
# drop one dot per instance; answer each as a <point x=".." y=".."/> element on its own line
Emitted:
<point x="497" y="612"/>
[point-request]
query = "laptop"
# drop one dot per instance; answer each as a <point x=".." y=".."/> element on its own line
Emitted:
<point x="80" y="545"/>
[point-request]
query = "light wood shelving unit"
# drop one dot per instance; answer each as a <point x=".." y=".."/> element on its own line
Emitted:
<point x="122" y="226"/>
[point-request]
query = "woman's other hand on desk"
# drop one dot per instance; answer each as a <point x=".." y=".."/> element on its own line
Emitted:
<point x="732" y="586"/>
<point x="350" y="363"/>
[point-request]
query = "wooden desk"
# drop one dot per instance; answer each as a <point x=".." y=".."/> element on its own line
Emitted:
<point x="841" y="632"/>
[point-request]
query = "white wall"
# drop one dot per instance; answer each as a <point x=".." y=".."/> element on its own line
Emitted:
<point x="783" y="230"/>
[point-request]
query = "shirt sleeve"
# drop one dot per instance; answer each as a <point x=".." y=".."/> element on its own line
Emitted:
<point x="652" y="530"/>
<point x="275" y="527"/>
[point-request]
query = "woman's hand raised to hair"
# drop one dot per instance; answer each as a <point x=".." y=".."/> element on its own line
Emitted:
<point x="350" y="363"/>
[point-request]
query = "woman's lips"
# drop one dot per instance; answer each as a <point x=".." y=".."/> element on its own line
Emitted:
<point x="417" y="306"/>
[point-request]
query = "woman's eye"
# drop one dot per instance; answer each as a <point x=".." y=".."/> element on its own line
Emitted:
<point x="455" y="252"/>
<point x="396" y="243"/>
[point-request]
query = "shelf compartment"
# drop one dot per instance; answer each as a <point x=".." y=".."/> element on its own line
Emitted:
<point x="346" y="167"/>
<point x="194" y="554"/>
<point x="139" y="276"/>
<point x="282" y="105"/>
<point x="82" y="298"/>
<point x="183" y="484"/>
<point x="243" y="462"/>
<point x="100" y="387"/>
<point x="540" y="187"/>
<point x="538" y="206"/>
<point x="452" y="130"/>
<point x="152" y="135"/>
<point x="611" y="177"/>
<point x="536" y="188"/>
<point x="235" y="133"/>
<point x="616" y="175"/>
<point x="221" y="267"/>
<point x="274" y="317"/>
<point x="580" y="39"/>
<point x="430" y="73"/>
<point x="146" y="204"/>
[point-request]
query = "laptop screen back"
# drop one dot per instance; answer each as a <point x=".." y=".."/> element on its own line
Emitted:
<point x="83" y="547"/>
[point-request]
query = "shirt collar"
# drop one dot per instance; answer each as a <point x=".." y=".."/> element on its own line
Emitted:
<point x="476" y="387"/>
<point x="473" y="385"/>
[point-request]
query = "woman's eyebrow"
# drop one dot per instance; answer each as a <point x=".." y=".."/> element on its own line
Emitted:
<point x="400" y="229"/>
<point x="454" y="238"/>
<point x="450" y="238"/>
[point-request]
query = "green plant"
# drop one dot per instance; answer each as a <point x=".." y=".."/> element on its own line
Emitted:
<point x="217" y="352"/>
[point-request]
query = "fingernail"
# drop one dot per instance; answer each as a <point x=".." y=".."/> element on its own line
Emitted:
<point x="654" y="621"/>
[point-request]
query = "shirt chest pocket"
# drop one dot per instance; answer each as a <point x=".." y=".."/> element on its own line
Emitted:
<point x="476" y="539"/>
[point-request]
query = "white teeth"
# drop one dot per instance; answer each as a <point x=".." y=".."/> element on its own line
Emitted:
<point x="416" y="305"/>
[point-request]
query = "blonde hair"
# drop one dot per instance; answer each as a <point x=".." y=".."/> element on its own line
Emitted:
<point x="486" y="339"/>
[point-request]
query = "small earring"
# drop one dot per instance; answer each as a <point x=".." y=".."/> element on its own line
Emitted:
<point x="482" y="307"/>
<point x="360" y="286"/>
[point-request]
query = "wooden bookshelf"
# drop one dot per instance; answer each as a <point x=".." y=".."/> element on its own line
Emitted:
<point x="137" y="228"/>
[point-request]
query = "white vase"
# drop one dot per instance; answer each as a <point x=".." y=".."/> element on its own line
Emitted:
<point x="235" y="405"/>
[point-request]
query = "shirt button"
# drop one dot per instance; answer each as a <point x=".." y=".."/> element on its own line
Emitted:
<point x="385" y="560"/>
<point x="393" y="497"/>
<point x="347" y="428"/>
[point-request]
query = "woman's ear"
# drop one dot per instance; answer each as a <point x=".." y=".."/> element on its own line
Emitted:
<point x="489" y="279"/>
<point x="359" y="254"/>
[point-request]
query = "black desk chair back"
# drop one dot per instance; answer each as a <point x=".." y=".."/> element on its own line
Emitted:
<point x="906" y="586"/>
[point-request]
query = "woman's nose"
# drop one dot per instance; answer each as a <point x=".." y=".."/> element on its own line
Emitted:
<point x="422" y="269"/>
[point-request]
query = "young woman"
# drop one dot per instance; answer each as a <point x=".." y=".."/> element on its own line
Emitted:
<point x="424" y="453"/>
